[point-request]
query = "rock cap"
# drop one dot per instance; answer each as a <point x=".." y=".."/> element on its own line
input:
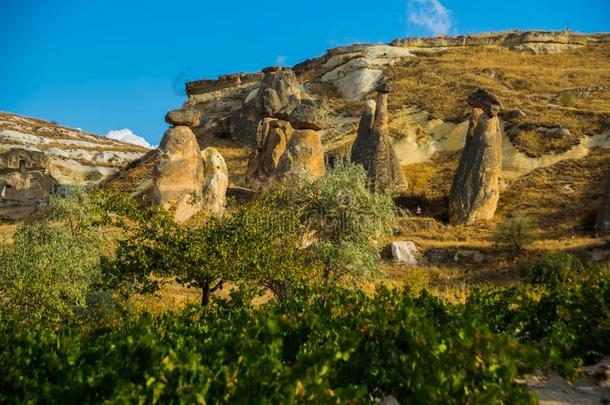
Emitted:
<point x="486" y="101"/>
<point x="384" y="87"/>
<point x="183" y="116"/>
<point x="271" y="69"/>
<point x="308" y="114"/>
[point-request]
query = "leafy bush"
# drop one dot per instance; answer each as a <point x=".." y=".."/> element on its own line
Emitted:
<point x="570" y="321"/>
<point x="346" y="221"/>
<point x="513" y="234"/>
<point x="258" y="244"/>
<point x="51" y="271"/>
<point x="309" y="348"/>
<point x="554" y="269"/>
<point x="567" y="100"/>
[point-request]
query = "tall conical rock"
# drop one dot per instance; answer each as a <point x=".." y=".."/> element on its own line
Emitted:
<point x="373" y="148"/>
<point x="602" y="225"/>
<point x="178" y="171"/>
<point x="215" y="181"/>
<point x="475" y="190"/>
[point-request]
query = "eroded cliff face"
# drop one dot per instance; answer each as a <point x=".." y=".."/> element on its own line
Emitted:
<point x="71" y="155"/>
<point x="553" y="86"/>
<point x="40" y="158"/>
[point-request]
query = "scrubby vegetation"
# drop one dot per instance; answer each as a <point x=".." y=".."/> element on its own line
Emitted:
<point x="70" y="333"/>
<point x="514" y="234"/>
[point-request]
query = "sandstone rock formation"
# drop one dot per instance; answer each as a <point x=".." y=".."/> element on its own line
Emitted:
<point x="304" y="154"/>
<point x="216" y="181"/>
<point x="71" y="155"/>
<point x="475" y="190"/>
<point x="178" y="173"/>
<point x="184" y="116"/>
<point x="283" y="151"/>
<point x="373" y="148"/>
<point x="25" y="182"/>
<point x="602" y="224"/>
<point x="274" y="143"/>
<point x="279" y="89"/>
<point x="287" y="141"/>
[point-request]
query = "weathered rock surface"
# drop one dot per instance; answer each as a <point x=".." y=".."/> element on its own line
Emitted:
<point x="183" y="116"/>
<point x="308" y="114"/>
<point x="287" y="141"/>
<point x="72" y="155"/>
<point x="271" y="140"/>
<point x="475" y="190"/>
<point x="304" y="154"/>
<point x="178" y="176"/>
<point x="39" y="158"/>
<point x="373" y="148"/>
<point x="421" y="134"/>
<point x="215" y="181"/>
<point x="602" y="224"/>
<point x="404" y="252"/>
<point x="279" y="89"/>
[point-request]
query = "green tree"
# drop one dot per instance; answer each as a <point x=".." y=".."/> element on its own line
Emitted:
<point x="51" y="270"/>
<point x="344" y="220"/>
<point x="257" y="244"/>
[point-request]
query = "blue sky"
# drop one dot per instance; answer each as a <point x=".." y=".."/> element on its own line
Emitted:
<point x="109" y="65"/>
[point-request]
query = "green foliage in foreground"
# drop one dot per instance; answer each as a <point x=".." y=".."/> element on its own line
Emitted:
<point x="50" y="273"/>
<point x="571" y="320"/>
<point x="320" y="346"/>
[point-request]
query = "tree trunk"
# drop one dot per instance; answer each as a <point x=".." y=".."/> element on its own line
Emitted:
<point x="205" y="294"/>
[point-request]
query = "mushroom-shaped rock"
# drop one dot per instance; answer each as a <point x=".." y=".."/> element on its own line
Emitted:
<point x="304" y="153"/>
<point x="178" y="173"/>
<point x="602" y="224"/>
<point x="475" y="190"/>
<point x="373" y="148"/>
<point x="183" y="116"/>
<point x="485" y="101"/>
<point x="215" y="181"/>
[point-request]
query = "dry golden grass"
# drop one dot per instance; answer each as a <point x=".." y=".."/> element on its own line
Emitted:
<point x="7" y="230"/>
<point x="440" y="84"/>
<point x="136" y="172"/>
<point x="561" y="200"/>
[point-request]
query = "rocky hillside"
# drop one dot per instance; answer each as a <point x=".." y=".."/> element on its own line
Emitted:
<point x="555" y="121"/>
<point x="70" y="155"/>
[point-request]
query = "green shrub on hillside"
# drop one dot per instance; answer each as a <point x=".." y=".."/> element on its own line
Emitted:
<point x="51" y="271"/>
<point x="554" y="269"/>
<point x="346" y="220"/>
<point x="513" y="234"/>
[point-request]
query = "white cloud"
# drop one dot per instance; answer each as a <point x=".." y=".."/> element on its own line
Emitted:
<point x="280" y="60"/>
<point x="430" y="15"/>
<point x="126" y="135"/>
